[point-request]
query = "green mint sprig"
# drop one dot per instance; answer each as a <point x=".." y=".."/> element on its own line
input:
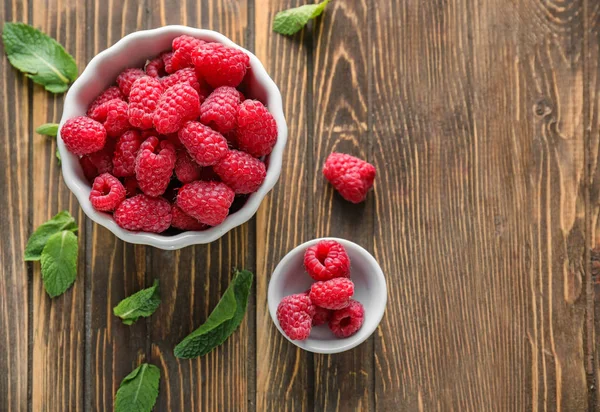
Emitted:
<point x="39" y="56"/>
<point x="222" y="322"/>
<point x="51" y="130"/>
<point x="291" y="21"/>
<point x="54" y="243"/>
<point x="142" y="303"/>
<point x="138" y="390"/>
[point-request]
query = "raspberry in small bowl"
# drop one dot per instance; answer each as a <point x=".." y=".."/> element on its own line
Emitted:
<point x="177" y="118"/>
<point x="327" y="295"/>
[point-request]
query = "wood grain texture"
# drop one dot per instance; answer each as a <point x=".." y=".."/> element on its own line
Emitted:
<point x="58" y="325"/>
<point x="15" y="275"/>
<point x="194" y="279"/>
<point x="284" y="373"/>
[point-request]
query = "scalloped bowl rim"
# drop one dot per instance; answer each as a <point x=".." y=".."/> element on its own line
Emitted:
<point x="81" y="188"/>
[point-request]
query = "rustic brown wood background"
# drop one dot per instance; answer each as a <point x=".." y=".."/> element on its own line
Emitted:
<point x="483" y="120"/>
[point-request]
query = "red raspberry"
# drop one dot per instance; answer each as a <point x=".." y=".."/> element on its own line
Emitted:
<point x="83" y="135"/>
<point x="102" y="159"/>
<point x="178" y="104"/>
<point x="183" y="221"/>
<point x="220" y="109"/>
<point x="241" y="172"/>
<point x="186" y="169"/>
<point x="257" y="130"/>
<point x="327" y="260"/>
<point x="321" y="317"/>
<point x="131" y="186"/>
<point x="112" y="92"/>
<point x="126" y="79"/>
<point x="295" y="315"/>
<point x="346" y="322"/>
<point x="183" y="48"/>
<point x="167" y="56"/>
<point x="205" y="145"/>
<point x="332" y="294"/>
<point x="156" y="67"/>
<point x="221" y="65"/>
<point x="107" y="193"/>
<point x="173" y="138"/>
<point x="143" y="100"/>
<point x="350" y="176"/>
<point x="144" y="213"/>
<point x="208" y="202"/>
<point x="113" y="114"/>
<point x="89" y="169"/>
<point x="125" y="153"/>
<point x="186" y="76"/>
<point x="154" y="166"/>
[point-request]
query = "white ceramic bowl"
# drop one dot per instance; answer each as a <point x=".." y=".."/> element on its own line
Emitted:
<point x="370" y="289"/>
<point x="132" y="51"/>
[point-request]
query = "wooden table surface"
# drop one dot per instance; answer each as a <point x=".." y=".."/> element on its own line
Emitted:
<point x="482" y="118"/>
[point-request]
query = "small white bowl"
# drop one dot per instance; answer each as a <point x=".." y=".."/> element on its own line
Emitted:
<point x="370" y="289"/>
<point x="132" y="51"/>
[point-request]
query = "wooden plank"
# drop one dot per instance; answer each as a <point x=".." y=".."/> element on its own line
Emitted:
<point x="479" y="142"/>
<point x="341" y="124"/>
<point x="193" y="279"/>
<point x="116" y="269"/>
<point x="15" y="186"/>
<point x="58" y="324"/>
<point x="284" y="372"/>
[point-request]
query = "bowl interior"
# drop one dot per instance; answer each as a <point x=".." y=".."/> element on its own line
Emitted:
<point x="133" y="51"/>
<point x="369" y="289"/>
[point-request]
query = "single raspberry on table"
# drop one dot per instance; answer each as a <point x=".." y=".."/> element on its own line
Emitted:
<point x="126" y="152"/>
<point x="241" y="172"/>
<point x="349" y="175"/>
<point x="83" y="135"/>
<point x="183" y="221"/>
<point x="154" y="166"/>
<point x="205" y="145"/>
<point x="144" y="213"/>
<point x="183" y="49"/>
<point x="131" y="186"/>
<point x="107" y="193"/>
<point x="178" y="104"/>
<point x="208" y="202"/>
<point x="220" y="65"/>
<point x="156" y="67"/>
<point x="295" y="315"/>
<point x="332" y="294"/>
<point x="220" y="110"/>
<point x="257" y="130"/>
<point x="346" y="322"/>
<point x="127" y="77"/>
<point x="327" y="260"/>
<point x="321" y="317"/>
<point x="187" y="76"/>
<point x="111" y="93"/>
<point x="113" y="115"/>
<point x="186" y="169"/>
<point x="143" y="100"/>
<point x="167" y="57"/>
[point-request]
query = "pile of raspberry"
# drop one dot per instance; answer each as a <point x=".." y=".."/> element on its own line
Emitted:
<point x="328" y="301"/>
<point x="175" y="144"/>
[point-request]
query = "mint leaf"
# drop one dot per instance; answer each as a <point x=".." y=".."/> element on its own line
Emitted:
<point x="37" y="241"/>
<point x="48" y="129"/>
<point x="142" y="303"/>
<point x="293" y="20"/>
<point x="40" y="57"/>
<point x="58" y="159"/>
<point x="138" y="390"/>
<point x="222" y="322"/>
<point x="59" y="262"/>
